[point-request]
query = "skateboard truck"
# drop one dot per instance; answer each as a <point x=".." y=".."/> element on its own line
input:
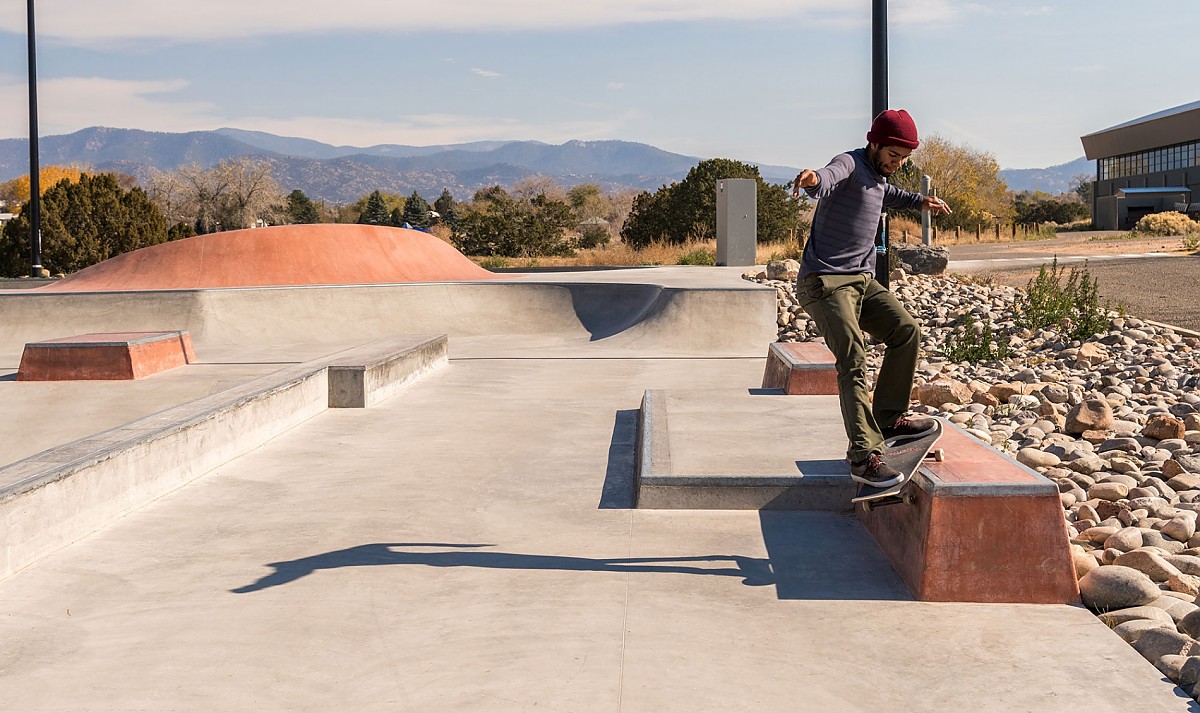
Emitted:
<point x="905" y="495"/>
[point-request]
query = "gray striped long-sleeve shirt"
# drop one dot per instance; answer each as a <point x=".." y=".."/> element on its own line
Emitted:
<point x="852" y="195"/>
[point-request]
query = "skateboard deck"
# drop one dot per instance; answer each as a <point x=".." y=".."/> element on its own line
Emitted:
<point x="905" y="454"/>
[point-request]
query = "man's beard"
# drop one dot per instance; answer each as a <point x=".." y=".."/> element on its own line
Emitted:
<point x="878" y="165"/>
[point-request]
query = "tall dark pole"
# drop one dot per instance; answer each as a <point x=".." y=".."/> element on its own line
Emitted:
<point x="35" y="192"/>
<point x="879" y="104"/>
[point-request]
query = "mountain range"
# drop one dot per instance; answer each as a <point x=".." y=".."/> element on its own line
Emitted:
<point x="343" y="174"/>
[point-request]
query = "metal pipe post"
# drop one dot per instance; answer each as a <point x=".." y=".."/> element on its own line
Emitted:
<point x="879" y="104"/>
<point x="926" y="238"/>
<point x="35" y="192"/>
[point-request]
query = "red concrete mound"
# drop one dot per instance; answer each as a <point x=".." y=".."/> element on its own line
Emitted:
<point x="327" y="254"/>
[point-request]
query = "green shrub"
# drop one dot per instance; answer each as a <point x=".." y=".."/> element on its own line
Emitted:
<point x="1167" y="223"/>
<point x="493" y="262"/>
<point x="1074" y="308"/>
<point x="593" y="236"/>
<point x="699" y="256"/>
<point x="965" y="343"/>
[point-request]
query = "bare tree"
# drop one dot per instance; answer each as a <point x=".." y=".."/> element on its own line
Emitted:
<point x="236" y="193"/>
<point x="529" y="188"/>
<point x="251" y="194"/>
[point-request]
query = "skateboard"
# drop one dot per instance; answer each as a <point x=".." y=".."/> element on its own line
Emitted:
<point x="905" y="454"/>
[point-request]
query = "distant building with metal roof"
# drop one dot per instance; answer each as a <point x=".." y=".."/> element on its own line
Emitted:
<point x="1144" y="166"/>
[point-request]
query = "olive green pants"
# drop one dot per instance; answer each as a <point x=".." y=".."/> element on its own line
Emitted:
<point x="845" y="306"/>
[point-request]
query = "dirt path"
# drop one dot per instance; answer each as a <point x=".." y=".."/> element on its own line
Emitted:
<point x="1164" y="289"/>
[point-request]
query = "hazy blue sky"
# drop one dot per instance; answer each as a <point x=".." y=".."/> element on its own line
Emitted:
<point x="769" y="81"/>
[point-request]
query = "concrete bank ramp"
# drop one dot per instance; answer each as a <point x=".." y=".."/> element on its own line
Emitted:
<point x="645" y="318"/>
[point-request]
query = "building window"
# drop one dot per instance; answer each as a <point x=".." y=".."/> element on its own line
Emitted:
<point x="1170" y="158"/>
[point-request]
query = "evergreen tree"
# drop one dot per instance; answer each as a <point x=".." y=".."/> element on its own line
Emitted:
<point x="445" y="203"/>
<point x="83" y="223"/>
<point x="301" y="209"/>
<point x="181" y="230"/>
<point x="376" y="212"/>
<point x="416" y="211"/>
<point x="512" y="228"/>
<point x="688" y="210"/>
<point x="397" y="218"/>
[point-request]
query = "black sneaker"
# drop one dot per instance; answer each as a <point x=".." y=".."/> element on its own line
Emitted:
<point x="874" y="472"/>
<point x="910" y="427"/>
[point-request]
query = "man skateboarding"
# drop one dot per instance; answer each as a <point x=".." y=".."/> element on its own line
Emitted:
<point x="837" y="288"/>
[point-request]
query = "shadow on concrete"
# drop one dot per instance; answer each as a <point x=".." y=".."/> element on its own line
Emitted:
<point x="608" y="309"/>
<point x="826" y="555"/>
<point x="753" y="571"/>
<point x="810" y="556"/>
<point x="620" y="477"/>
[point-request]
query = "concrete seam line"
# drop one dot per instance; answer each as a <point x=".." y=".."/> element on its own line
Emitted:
<point x="1178" y="330"/>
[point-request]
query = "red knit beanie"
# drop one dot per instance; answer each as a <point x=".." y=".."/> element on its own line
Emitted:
<point x="894" y="128"/>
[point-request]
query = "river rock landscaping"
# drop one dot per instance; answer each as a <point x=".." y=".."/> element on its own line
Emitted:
<point x="1112" y="419"/>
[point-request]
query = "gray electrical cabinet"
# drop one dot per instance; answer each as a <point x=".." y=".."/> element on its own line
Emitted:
<point x="737" y="221"/>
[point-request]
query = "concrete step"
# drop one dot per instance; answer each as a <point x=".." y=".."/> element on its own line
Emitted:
<point x="981" y="527"/>
<point x="742" y="449"/>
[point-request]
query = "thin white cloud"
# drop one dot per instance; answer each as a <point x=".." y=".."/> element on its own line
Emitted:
<point x="486" y="73"/>
<point x="72" y="103"/>
<point x="88" y="22"/>
<point x="1007" y="8"/>
<point x="616" y="85"/>
<point x="67" y="105"/>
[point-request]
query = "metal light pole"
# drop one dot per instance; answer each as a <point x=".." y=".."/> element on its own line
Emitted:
<point x="35" y="192"/>
<point x="879" y="104"/>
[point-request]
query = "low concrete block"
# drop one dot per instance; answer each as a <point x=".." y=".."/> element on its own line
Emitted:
<point x="105" y="356"/>
<point x="363" y="376"/>
<point x="982" y="528"/>
<point x="735" y="449"/>
<point x="800" y="368"/>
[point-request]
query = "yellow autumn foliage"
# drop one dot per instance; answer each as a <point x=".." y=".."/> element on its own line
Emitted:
<point x="17" y="190"/>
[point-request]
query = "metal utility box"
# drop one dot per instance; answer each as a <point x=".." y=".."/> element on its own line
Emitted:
<point x="737" y="221"/>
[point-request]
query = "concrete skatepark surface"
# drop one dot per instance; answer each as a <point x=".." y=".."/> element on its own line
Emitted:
<point x="469" y="543"/>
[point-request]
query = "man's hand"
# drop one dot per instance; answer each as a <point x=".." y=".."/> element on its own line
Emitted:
<point x="808" y="178"/>
<point x="934" y="204"/>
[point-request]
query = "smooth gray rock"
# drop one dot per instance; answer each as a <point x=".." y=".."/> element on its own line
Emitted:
<point x="1188" y="564"/>
<point x="1111" y="587"/>
<point x="1120" y="616"/>
<point x="1171" y="666"/>
<point x="1134" y="628"/>
<point x="1125" y="539"/>
<point x="1177" y="608"/>
<point x="1148" y="562"/>
<point x="1190" y="624"/>
<point x="1156" y="643"/>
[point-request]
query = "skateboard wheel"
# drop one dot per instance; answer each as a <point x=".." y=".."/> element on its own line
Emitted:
<point x="907" y="498"/>
<point x="867" y="506"/>
<point x="939" y="455"/>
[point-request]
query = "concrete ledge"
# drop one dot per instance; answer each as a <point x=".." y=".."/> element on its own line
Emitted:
<point x="982" y="528"/>
<point x="56" y="497"/>
<point x="364" y="376"/>
<point x="740" y="449"/>
<point x="800" y="368"/>
<point x="105" y="356"/>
